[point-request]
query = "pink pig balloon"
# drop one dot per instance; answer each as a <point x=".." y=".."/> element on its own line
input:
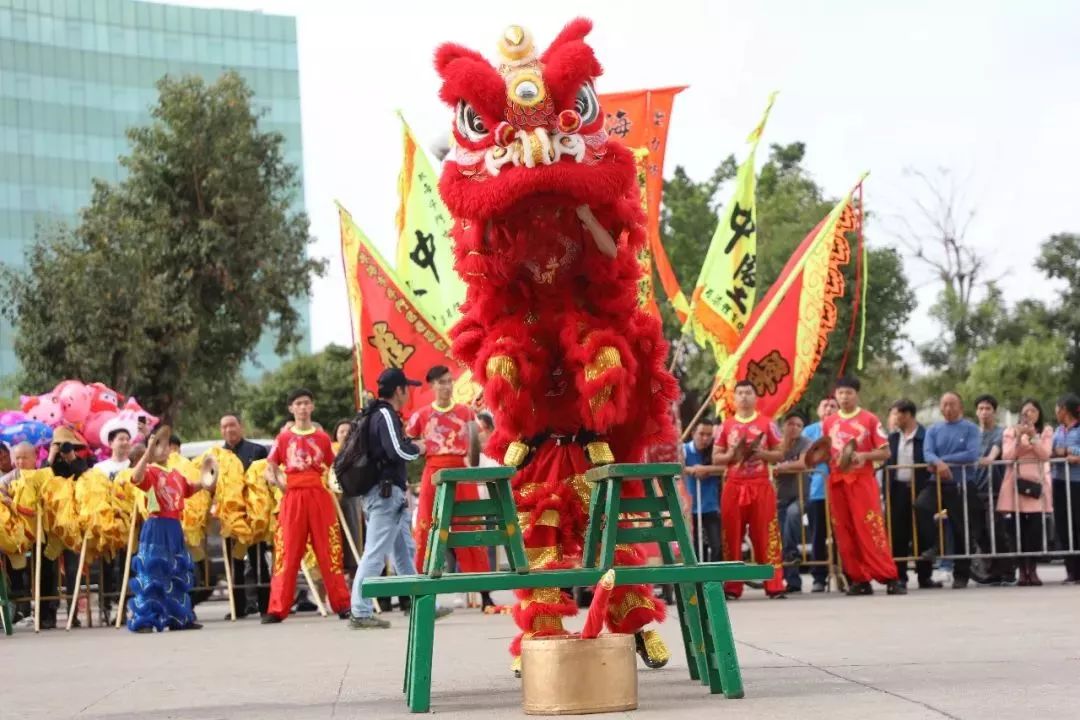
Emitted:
<point x="44" y="408"/>
<point x="95" y="421"/>
<point x="104" y="398"/>
<point x="75" y="400"/>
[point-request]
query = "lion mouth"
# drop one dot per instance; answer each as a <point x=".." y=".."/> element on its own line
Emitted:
<point x="530" y="149"/>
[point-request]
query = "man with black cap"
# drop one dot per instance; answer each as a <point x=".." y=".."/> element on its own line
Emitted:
<point x="385" y="506"/>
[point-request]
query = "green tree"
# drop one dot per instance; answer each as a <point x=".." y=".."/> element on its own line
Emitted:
<point x="171" y="276"/>
<point x="1059" y="260"/>
<point x="328" y="374"/>
<point x="790" y="204"/>
<point x="1033" y="367"/>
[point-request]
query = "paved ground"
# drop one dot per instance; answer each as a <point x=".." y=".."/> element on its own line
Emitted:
<point x="979" y="653"/>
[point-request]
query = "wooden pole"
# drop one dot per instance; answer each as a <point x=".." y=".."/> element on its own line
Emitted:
<point x="228" y="577"/>
<point x="345" y="530"/>
<point x="701" y="411"/>
<point x="314" y="590"/>
<point x="127" y="563"/>
<point x="73" y="608"/>
<point x="37" y="571"/>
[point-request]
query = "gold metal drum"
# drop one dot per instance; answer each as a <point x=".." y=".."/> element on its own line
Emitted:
<point x="571" y="676"/>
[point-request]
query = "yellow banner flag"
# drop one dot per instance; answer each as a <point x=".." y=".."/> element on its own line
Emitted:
<point x="727" y="285"/>
<point x="425" y="252"/>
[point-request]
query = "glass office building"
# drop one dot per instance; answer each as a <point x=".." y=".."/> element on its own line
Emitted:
<point x="75" y="74"/>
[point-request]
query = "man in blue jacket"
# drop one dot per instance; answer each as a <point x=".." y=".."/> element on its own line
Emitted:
<point x="816" y="508"/>
<point x="952" y="449"/>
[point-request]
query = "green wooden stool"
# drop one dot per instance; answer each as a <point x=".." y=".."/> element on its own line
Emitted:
<point x="703" y="618"/>
<point x="497" y="515"/>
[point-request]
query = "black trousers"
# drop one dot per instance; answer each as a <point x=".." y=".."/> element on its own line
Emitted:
<point x="819" y="538"/>
<point x="1030" y="540"/>
<point x="904" y="528"/>
<point x="106" y="575"/>
<point x="952" y="500"/>
<point x="710" y="533"/>
<point x="253" y="599"/>
<point x="1063" y="499"/>
<point x="20" y="586"/>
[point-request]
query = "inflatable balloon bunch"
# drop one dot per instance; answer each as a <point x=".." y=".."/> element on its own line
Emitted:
<point x="72" y="403"/>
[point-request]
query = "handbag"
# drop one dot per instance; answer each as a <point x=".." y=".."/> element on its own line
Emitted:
<point x="1029" y="488"/>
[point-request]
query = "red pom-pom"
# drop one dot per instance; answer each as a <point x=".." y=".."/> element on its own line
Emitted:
<point x="504" y="134"/>
<point x="569" y="121"/>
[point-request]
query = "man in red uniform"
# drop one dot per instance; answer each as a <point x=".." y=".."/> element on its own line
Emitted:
<point x="448" y="433"/>
<point x="857" y="442"/>
<point x="307" y="511"/>
<point x="746" y="444"/>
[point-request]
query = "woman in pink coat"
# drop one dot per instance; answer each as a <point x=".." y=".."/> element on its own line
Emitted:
<point x="1028" y="444"/>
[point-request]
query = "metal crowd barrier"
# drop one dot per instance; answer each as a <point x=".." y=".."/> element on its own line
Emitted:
<point x="990" y="511"/>
<point x="969" y="500"/>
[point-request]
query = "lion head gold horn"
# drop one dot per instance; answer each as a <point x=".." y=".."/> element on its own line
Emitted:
<point x="516" y="46"/>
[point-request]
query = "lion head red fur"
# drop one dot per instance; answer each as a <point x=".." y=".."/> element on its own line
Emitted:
<point x="531" y="125"/>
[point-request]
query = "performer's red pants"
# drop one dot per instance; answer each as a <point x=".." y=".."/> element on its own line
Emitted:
<point x="307" y="513"/>
<point x="552" y="499"/>
<point x="859" y="528"/>
<point x="752" y="503"/>
<point x="472" y="559"/>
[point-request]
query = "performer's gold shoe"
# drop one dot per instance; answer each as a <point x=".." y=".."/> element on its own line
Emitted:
<point x="515" y="455"/>
<point x="651" y="649"/>
<point x="599" y="453"/>
<point x="515" y="666"/>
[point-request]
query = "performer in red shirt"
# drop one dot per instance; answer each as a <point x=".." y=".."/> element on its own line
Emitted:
<point x="857" y="442"/>
<point x="448" y="432"/>
<point x="307" y="511"/>
<point x="746" y="444"/>
<point x="162" y="571"/>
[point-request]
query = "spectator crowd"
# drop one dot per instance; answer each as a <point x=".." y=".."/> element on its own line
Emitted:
<point x="986" y="502"/>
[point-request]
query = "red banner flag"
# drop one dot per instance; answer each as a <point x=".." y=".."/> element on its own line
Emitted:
<point x="388" y="330"/>
<point x="789" y="329"/>
<point x="640" y="119"/>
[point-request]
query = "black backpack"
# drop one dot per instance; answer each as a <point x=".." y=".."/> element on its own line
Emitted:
<point x="357" y="471"/>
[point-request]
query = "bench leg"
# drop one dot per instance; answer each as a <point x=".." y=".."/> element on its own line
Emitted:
<point x="689" y="604"/>
<point x="409" y="648"/>
<point x="592" y="532"/>
<point x="515" y="546"/>
<point x="608" y="538"/>
<point x="419" y="688"/>
<point x="723" y="641"/>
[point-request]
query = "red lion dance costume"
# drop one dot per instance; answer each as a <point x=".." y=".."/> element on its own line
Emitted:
<point x="548" y="226"/>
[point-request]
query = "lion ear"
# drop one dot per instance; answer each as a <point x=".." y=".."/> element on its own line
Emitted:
<point x="576" y="29"/>
<point x="449" y="52"/>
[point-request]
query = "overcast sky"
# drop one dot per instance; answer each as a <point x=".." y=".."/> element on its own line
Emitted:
<point x="988" y="90"/>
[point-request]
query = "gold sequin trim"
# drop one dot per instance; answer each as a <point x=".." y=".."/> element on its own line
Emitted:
<point x="541" y="556"/>
<point x="549" y="518"/>
<point x="547" y="622"/>
<point x="548" y="596"/>
<point x="583" y="488"/>
<point x="605" y="360"/>
<point x="600" y="452"/>
<point x="630" y="601"/>
<point x="515" y="453"/>
<point x="654" y="646"/>
<point x="503" y="366"/>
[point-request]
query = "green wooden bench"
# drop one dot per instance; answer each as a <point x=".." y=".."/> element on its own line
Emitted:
<point x="706" y="628"/>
